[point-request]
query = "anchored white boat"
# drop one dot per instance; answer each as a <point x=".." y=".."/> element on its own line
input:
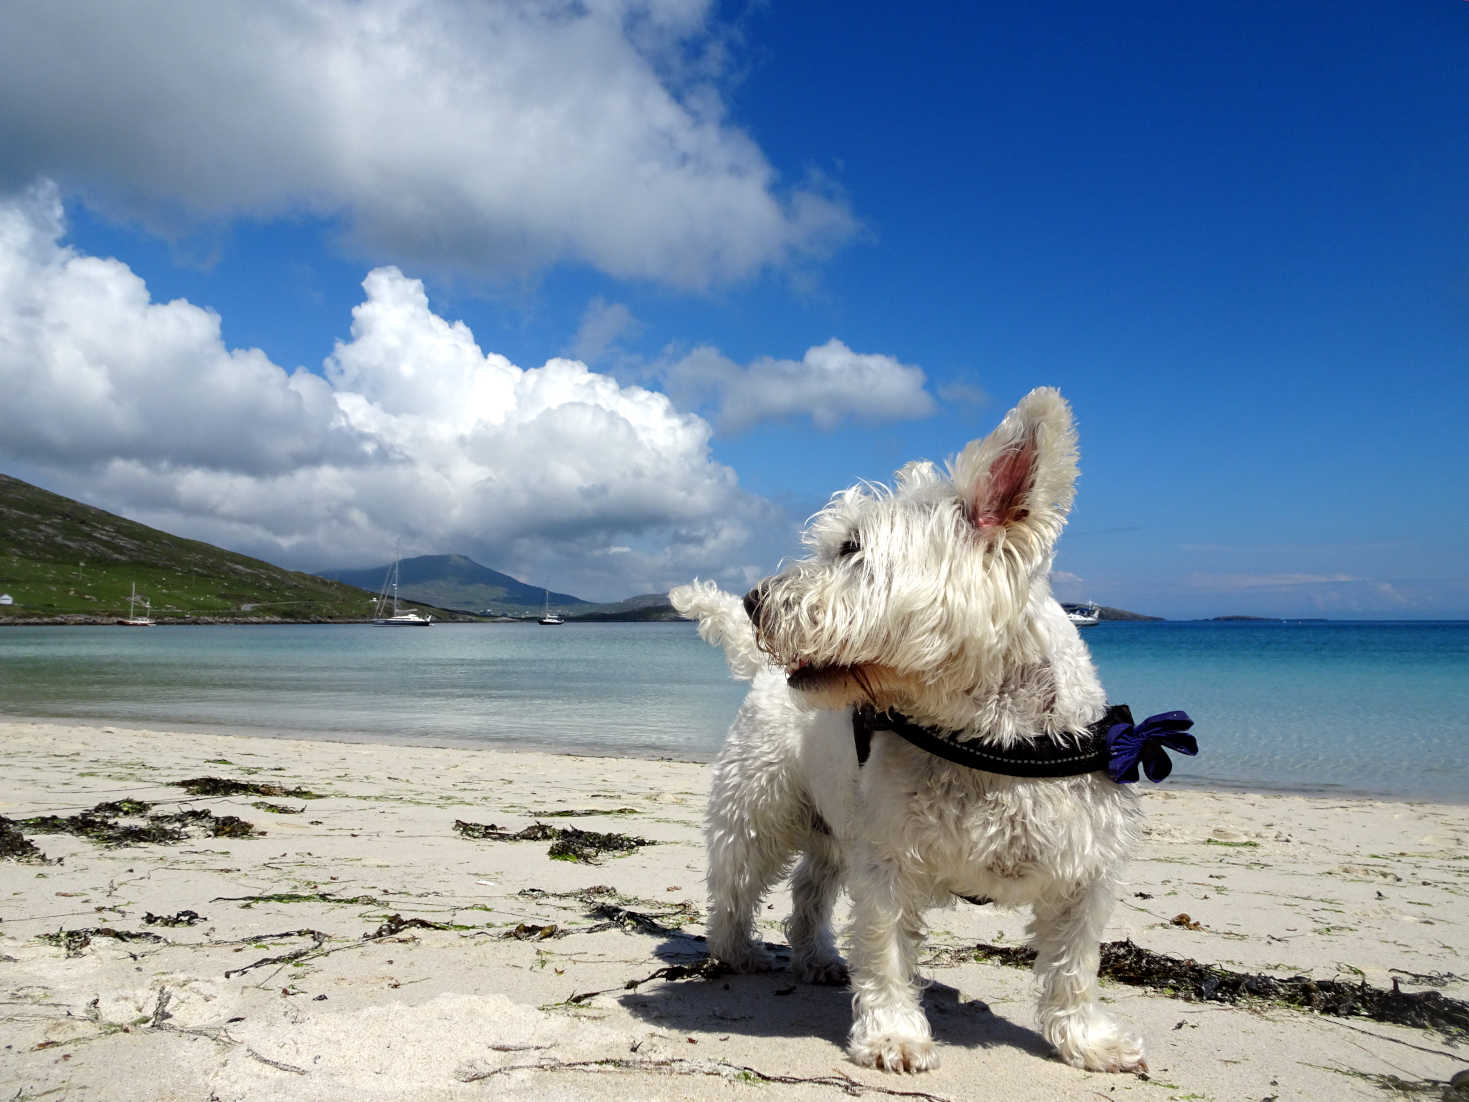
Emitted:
<point x="551" y="619"/>
<point x="133" y="620"/>
<point x="410" y="619"/>
<point x="1083" y="616"/>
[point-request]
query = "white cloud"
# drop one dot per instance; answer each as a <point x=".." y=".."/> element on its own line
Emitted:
<point x="829" y="384"/>
<point x="94" y="369"/>
<point x="413" y="431"/>
<point x="488" y="138"/>
<point x="602" y="324"/>
<point x="959" y="392"/>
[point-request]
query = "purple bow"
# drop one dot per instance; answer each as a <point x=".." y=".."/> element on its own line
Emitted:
<point x="1127" y="745"/>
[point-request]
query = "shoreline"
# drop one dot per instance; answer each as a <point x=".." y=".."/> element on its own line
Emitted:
<point x="363" y="946"/>
<point x="441" y="617"/>
<point x="1180" y="779"/>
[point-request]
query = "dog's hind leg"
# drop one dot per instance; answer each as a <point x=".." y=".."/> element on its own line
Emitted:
<point x="814" y="889"/>
<point x="1066" y="933"/>
<point x="756" y="821"/>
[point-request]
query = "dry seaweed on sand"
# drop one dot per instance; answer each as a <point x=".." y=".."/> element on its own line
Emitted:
<point x="101" y="824"/>
<point x="532" y="931"/>
<point x="232" y="826"/>
<point x="587" y="845"/>
<point x="621" y="918"/>
<point x="318" y="939"/>
<point x="247" y="901"/>
<point x="127" y="808"/>
<point x="15" y="846"/>
<point x="567" y="843"/>
<point x="536" y="832"/>
<point x="180" y="918"/>
<point x="276" y="809"/>
<point x="74" y="941"/>
<point x="221" y="786"/>
<point x="1125" y="962"/>
<point x="705" y="968"/>
<point x="216" y="826"/>
<point x="396" y="924"/>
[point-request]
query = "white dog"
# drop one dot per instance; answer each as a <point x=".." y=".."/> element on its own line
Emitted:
<point x="929" y="605"/>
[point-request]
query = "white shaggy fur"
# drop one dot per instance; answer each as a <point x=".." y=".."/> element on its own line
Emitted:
<point x="931" y="599"/>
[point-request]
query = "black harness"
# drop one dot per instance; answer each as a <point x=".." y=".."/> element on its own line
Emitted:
<point x="1051" y="756"/>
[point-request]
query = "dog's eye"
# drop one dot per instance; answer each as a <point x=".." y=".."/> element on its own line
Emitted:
<point x="850" y="547"/>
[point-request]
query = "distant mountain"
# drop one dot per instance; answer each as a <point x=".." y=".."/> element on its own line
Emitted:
<point x="648" y="606"/>
<point x="455" y="581"/>
<point x="63" y="560"/>
<point x="1109" y="613"/>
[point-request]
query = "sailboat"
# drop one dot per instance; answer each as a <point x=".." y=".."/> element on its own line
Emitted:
<point x="551" y="618"/>
<point x="133" y="620"/>
<point x="409" y="619"/>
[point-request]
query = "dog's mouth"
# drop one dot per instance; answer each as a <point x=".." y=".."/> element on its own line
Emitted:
<point x="802" y="675"/>
<point x="836" y="686"/>
<point x="805" y="676"/>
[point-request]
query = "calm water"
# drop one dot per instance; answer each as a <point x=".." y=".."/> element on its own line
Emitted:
<point x="1357" y="707"/>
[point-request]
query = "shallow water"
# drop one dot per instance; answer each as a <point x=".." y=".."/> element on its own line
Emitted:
<point x="1377" y="708"/>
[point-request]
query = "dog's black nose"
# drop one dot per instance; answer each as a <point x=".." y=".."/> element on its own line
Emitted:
<point x="753" y="599"/>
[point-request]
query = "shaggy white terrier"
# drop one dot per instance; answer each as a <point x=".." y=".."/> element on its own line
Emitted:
<point x="932" y="600"/>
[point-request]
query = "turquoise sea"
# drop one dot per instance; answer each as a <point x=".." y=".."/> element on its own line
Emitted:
<point x="1371" y="707"/>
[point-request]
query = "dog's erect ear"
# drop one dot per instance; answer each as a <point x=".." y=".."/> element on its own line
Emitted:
<point x="1023" y="473"/>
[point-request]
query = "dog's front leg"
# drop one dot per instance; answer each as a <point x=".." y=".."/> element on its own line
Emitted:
<point x="889" y="1030"/>
<point x="1066" y="933"/>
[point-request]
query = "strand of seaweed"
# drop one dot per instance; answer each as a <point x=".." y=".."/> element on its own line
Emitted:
<point x="1125" y="962"/>
<point x="217" y="1034"/>
<point x="680" y="1066"/>
<point x="395" y="924"/>
<point x="567" y="843"/>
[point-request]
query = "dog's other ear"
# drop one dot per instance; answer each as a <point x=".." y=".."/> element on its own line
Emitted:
<point x="1023" y="473"/>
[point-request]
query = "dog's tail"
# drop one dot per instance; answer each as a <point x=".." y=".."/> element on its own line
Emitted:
<point x="722" y="621"/>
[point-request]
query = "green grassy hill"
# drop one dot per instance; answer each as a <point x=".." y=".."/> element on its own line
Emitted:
<point x="62" y="560"/>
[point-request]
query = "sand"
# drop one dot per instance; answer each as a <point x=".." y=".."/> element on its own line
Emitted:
<point x="515" y="975"/>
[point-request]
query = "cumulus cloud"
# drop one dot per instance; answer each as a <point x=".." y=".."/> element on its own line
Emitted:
<point x="411" y="431"/>
<point x="94" y="369"/>
<point x="487" y="138"/>
<point x="829" y="384"/>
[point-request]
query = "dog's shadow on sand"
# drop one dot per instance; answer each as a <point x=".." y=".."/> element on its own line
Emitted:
<point x="774" y="1004"/>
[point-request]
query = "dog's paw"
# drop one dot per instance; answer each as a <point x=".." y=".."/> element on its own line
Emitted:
<point x="891" y="1052"/>
<point x="1098" y="1045"/>
<point x="749" y="956"/>
<point x="825" y="970"/>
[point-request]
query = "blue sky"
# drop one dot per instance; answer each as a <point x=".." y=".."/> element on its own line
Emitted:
<point x="609" y="295"/>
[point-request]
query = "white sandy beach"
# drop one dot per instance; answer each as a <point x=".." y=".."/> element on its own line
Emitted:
<point x="530" y="988"/>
